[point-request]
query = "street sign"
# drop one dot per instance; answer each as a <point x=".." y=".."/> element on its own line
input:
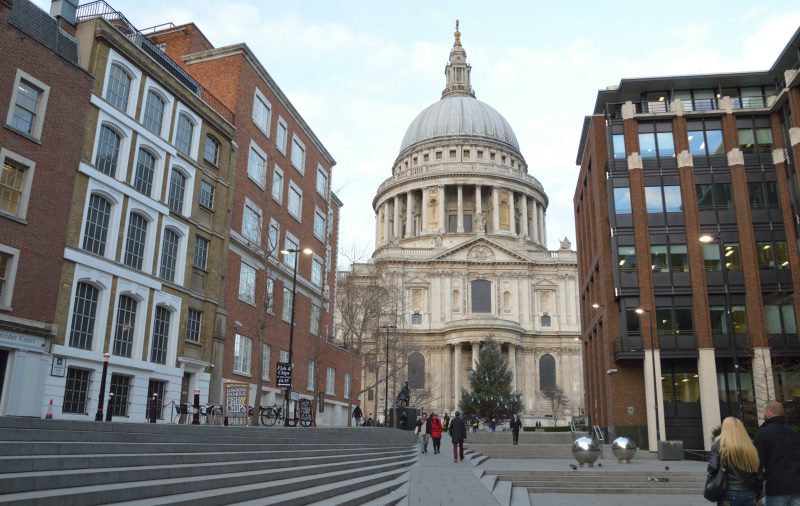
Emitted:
<point x="283" y="374"/>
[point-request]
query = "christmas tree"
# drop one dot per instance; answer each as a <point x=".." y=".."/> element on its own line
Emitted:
<point x="490" y="396"/>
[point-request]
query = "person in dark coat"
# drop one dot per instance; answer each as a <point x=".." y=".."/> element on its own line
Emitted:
<point x="458" y="433"/>
<point x="358" y="415"/>
<point x="403" y="420"/>
<point x="516" y="425"/>
<point x="779" y="450"/>
<point x="446" y="422"/>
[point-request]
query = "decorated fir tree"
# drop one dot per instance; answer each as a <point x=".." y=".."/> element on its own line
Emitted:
<point x="490" y="396"/>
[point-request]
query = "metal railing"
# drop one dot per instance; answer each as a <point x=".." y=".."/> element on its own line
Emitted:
<point x="614" y="110"/>
<point x="100" y="9"/>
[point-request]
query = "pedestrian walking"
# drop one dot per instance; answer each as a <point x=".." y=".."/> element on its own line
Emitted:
<point x="516" y="425"/>
<point x="358" y="415"/>
<point x="403" y="421"/>
<point x="436" y="433"/>
<point x="779" y="450"/>
<point x="446" y="422"/>
<point x="493" y="424"/>
<point x="458" y="433"/>
<point x="734" y="454"/>
<point x="423" y="429"/>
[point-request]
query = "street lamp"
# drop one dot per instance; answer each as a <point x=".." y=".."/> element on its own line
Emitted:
<point x="708" y="239"/>
<point x="99" y="416"/>
<point x="294" y="251"/>
<point x="652" y="317"/>
<point x="386" y="398"/>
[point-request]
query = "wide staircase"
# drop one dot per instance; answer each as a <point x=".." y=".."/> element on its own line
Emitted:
<point x="617" y="482"/>
<point x="84" y="463"/>
<point x="533" y="445"/>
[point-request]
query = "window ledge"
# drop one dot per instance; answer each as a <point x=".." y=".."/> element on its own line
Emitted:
<point x="23" y="134"/>
<point x="247" y="302"/>
<point x="193" y="343"/>
<point x="13" y="217"/>
<point x="246" y="375"/>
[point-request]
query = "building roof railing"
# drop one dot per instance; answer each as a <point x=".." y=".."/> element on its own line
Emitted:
<point x="755" y="103"/>
<point x="100" y="9"/>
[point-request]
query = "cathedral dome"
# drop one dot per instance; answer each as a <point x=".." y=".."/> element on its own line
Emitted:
<point x="459" y="115"/>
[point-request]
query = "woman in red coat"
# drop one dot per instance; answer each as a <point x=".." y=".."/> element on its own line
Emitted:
<point x="436" y="432"/>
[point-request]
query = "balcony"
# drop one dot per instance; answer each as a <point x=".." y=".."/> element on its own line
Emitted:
<point x="784" y="344"/>
<point x="723" y="344"/>
<point x="100" y="9"/>
<point x="666" y="107"/>
<point x="452" y="170"/>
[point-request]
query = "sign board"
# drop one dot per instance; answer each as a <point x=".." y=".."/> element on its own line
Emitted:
<point x="236" y="399"/>
<point x="305" y="412"/>
<point x="283" y="374"/>
<point x="59" y="367"/>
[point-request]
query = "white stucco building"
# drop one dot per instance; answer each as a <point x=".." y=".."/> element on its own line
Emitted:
<point x="461" y="232"/>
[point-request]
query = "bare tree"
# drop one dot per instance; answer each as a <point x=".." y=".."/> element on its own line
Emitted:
<point x="557" y="400"/>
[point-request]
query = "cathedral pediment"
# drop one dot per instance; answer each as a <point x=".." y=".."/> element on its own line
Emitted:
<point x="480" y="250"/>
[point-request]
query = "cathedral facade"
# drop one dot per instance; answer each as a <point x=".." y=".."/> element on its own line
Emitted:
<point x="461" y="237"/>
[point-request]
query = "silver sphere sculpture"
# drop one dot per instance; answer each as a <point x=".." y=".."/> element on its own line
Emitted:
<point x="624" y="449"/>
<point x="585" y="451"/>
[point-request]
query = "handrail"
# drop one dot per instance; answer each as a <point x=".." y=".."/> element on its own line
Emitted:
<point x="100" y="9"/>
<point x="598" y="433"/>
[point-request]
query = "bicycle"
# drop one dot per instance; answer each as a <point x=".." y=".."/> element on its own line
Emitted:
<point x="271" y="414"/>
<point x="211" y="414"/>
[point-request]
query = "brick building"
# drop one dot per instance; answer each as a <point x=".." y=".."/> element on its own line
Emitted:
<point x="44" y="97"/>
<point x="146" y="236"/>
<point x="687" y="209"/>
<point x="282" y="201"/>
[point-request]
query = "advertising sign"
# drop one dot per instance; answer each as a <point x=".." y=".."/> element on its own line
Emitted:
<point x="283" y="374"/>
<point x="236" y="400"/>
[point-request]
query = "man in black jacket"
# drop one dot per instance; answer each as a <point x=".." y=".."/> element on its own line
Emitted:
<point x="779" y="451"/>
<point x="516" y="425"/>
<point x="458" y="433"/>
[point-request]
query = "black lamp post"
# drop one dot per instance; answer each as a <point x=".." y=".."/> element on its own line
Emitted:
<point x="386" y="398"/>
<point x="651" y="315"/>
<point x="706" y="239"/>
<point x="99" y="416"/>
<point x="294" y="251"/>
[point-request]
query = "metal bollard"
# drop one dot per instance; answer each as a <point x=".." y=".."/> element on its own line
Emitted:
<point x="110" y="407"/>
<point x="153" y="408"/>
<point x="196" y="415"/>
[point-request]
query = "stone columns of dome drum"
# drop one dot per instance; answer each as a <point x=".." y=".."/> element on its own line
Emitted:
<point x="396" y="218"/>
<point x="512" y="213"/>
<point x="544" y="227"/>
<point x="535" y="220"/>
<point x="423" y="227"/>
<point x="476" y="345"/>
<point x="442" y="217"/>
<point x="456" y="373"/>
<point x="409" y="213"/>
<point x="386" y="231"/>
<point x="524" y="216"/>
<point x="495" y="210"/>
<point x="460" y="210"/>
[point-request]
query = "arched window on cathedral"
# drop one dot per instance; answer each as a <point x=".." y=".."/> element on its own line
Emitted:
<point x="416" y="371"/>
<point x="547" y="373"/>
<point x="456" y="299"/>
<point x="481" y="296"/>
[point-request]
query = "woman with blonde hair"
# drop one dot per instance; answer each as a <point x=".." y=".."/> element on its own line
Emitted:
<point x="733" y="450"/>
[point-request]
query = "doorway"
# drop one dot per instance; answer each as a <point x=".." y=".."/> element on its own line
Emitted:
<point x="682" y="411"/>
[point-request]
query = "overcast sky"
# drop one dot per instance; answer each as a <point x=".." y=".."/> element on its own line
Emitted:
<point x="360" y="71"/>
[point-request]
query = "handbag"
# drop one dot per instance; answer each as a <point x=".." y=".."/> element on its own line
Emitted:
<point x="716" y="484"/>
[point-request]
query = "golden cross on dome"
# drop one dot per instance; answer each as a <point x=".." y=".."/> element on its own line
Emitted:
<point x="457" y="35"/>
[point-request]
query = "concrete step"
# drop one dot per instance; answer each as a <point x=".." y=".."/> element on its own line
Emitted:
<point x="385" y="492"/>
<point x="41" y="480"/>
<point x="524" y="437"/>
<point x="9" y="448"/>
<point x="544" y="489"/>
<point x="585" y="475"/>
<point x="16" y="464"/>
<point x="293" y="491"/>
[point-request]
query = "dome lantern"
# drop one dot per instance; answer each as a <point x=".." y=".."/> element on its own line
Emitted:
<point x="457" y="70"/>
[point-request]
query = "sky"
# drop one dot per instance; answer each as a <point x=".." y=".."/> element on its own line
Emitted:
<point x="360" y="71"/>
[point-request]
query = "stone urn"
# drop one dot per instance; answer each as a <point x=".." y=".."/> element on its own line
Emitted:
<point x="585" y="451"/>
<point x="624" y="449"/>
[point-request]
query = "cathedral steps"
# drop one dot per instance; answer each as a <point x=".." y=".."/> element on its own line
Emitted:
<point x="600" y="482"/>
<point x="42" y="462"/>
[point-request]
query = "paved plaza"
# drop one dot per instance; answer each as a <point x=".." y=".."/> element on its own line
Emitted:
<point x="436" y="480"/>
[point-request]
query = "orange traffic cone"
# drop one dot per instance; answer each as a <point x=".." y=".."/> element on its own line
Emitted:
<point x="49" y="415"/>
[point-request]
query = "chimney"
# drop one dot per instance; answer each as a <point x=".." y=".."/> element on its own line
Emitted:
<point x="65" y="10"/>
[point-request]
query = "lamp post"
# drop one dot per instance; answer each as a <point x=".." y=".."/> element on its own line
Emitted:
<point x="386" y="398"/>
<point x="707" y="239"/>
<point x="294" y="251"/>
<point x="652" y="317"/>
<point x="99" y="416"/>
